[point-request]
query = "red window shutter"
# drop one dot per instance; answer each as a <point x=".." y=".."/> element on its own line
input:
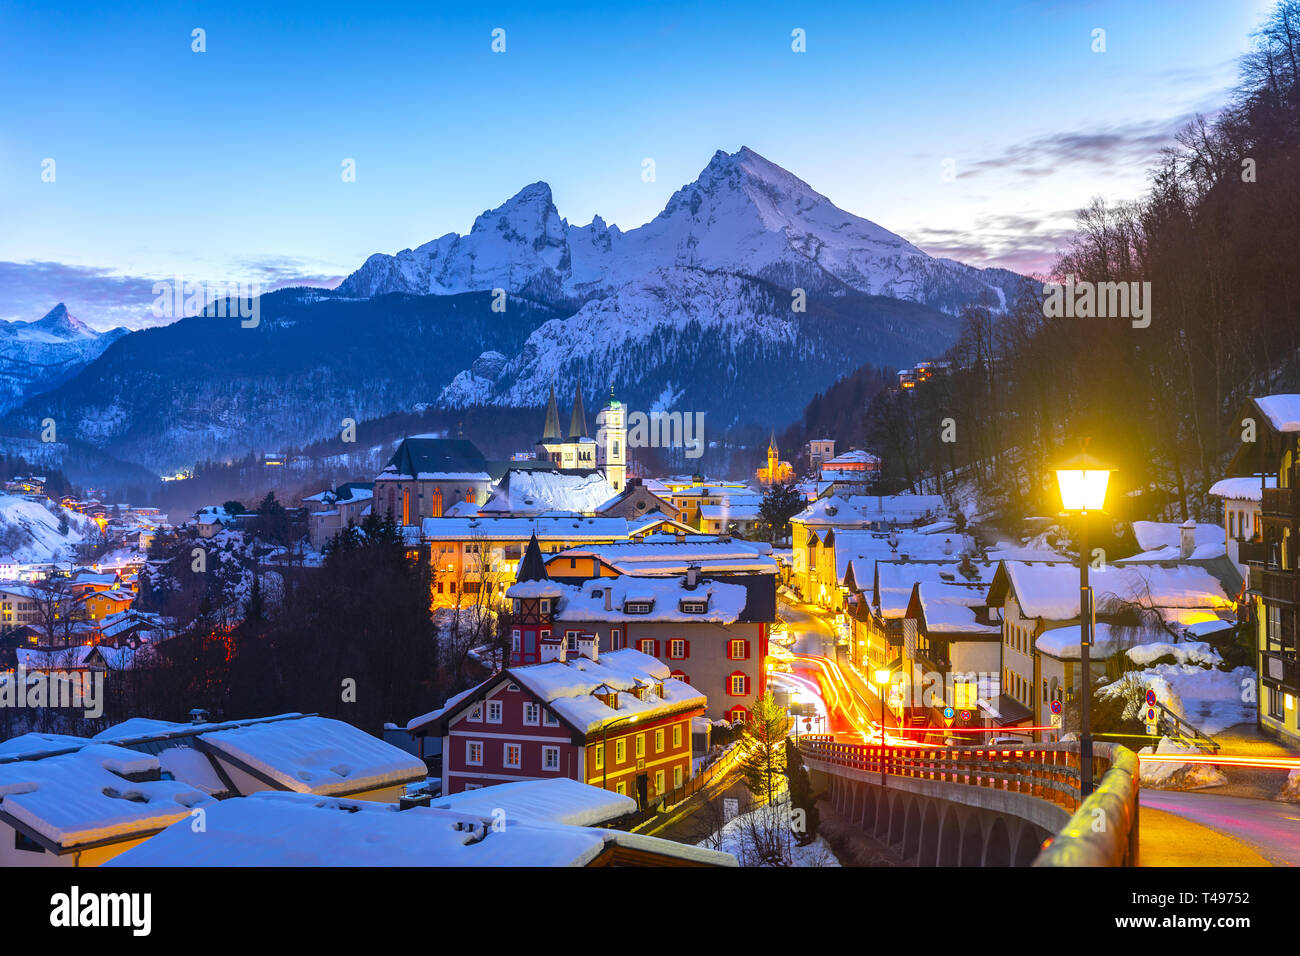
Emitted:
<point x="688" y="649"/>
<point x="655" y="652"/>
<point x="746" y="683"/>
<point x="747" y="658"/>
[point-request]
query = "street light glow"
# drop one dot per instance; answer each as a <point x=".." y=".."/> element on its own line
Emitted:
<point x="1083" y="481"/>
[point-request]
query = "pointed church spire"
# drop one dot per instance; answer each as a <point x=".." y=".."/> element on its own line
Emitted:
<point x="552" y="430"/>
<point x="531" y="565"/>
<point x="772" y="444"/>
<point x="578" y="424"/>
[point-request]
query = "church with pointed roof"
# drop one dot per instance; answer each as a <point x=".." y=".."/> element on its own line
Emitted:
<point x="577" y="450"/>
<point x="776" y="471"/>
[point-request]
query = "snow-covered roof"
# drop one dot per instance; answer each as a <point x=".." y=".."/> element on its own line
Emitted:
<point x="1242" y="489"/>
<point x="1161" y="534"/>
<point x="494" y="528"/>
<point x="316" y="755"/>
<point x="1282" y="411"/>
<point x="1051" y="591"/>
<point x="1063" y="642"/>
<point x="566" y="687"/>
<point x="559" y="800"/>
<point x="665" y="555"/>
<point x="284" y="829"/>
<point x="850" y="510"/>
<point x="863" y="548"/>
<point x="87" y="796"/>
<point x="858" y="457"/>
<point x="528" y="492"/>
<point x="724" y="603"/>
<point x="896" y="580"/>
<point x="950" y="610"/>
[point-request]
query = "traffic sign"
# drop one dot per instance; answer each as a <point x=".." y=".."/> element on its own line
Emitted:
<point x="1151" y="715"/>
<point x="965" y="715"/>
<point x="948" y="712"/>
<point x="1056" y="707"/>
<point x="1152" y="730"/>
<point x="1151" y="698"/>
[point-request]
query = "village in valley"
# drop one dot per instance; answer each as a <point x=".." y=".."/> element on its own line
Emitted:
<point x="639" y="668"/>
<point x="508" y="443"/>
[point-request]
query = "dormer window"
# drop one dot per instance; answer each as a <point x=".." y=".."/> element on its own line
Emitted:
<point x="636" y="607"/>
<point x="694" y="607"/>
<point x="546" y="605"/>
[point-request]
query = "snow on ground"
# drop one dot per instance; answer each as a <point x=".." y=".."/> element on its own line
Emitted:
<point x="1291" y="792"/>
<point x="1178" y="776"/>
<point x="29" y="531"/>
<point x="772" y="824"/>
<point x="1210" y="700"/>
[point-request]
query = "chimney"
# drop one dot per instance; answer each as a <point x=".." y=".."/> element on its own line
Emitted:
<point x="552" y="649"/>
<point x="609" y="599"/>
<point x="1186" y="539"/>
<point x="681" y="537"/>
<point x="199" y="716"/>
<point x="692" y="576"/>
<point x="965" y="564"/>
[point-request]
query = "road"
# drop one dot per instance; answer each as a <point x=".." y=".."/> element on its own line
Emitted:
<point x="852" y="707"/>
<point x="1238" y="831"/>
<point x="1270" y="828"/>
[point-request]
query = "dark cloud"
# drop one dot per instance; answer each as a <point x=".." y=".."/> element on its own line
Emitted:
<point x="104" y="299"/>
<point x="1130" y="144"/>
<point x="1028" y="244"/>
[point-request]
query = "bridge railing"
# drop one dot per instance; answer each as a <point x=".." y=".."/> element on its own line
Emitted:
<point x="1102" y="830"/>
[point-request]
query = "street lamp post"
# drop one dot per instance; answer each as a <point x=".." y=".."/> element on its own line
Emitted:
<point x="882" y="681"/>
<point x="1083" y="481"/>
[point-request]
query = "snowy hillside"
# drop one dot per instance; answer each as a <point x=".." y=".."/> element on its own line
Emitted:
<point x="39" y="355"/>
<point x="29" y="531"/>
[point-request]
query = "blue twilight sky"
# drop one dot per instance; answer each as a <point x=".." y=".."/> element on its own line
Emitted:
<point x="226" y="164"/>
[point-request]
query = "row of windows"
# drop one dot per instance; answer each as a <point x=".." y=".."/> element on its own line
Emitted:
<point x="1017" y="637"/>
<point x="621" y="787"/>
<point x="495" y="711"/>
<point x="512" y="755"/>
<point x="639" y="741"/>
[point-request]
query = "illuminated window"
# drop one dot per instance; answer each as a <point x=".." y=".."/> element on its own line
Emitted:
<point x="659" y="741"/>
<point x="620" y="751"/>
<point x="677" y="735"/>
<point x="474" y="753"/>
<point x="512" y="755"/>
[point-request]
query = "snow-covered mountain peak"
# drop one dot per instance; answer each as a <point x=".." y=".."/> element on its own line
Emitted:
<point x="744" y="215"/>
<point x="56" y="325"/>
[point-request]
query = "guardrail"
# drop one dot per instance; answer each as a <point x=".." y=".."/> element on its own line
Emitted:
<point x="1102" y="830"/>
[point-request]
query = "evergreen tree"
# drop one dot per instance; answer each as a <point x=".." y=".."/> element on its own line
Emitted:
<point x="762" y="744"/>
<point x="801" y="793"/>
<point x="780" y="504"/>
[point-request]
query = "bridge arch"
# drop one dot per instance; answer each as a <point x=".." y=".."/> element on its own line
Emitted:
<point x="950" y="834"/>
<point x="997" y="844"/>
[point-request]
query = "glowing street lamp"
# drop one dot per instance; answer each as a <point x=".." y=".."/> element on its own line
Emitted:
<point x="882" y="676"/>
<point x="1083" y="481"/>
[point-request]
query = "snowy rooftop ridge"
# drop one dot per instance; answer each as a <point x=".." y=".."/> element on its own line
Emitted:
<point x="87" y="796"/>
<point x="286" y="829"/>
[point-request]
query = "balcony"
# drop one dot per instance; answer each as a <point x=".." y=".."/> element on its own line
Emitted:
<point x="1252" y="552"/>
<point x="1275" y="587"/>
<point x="1279" y="503"/>
<point x="1280" y="671"/>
